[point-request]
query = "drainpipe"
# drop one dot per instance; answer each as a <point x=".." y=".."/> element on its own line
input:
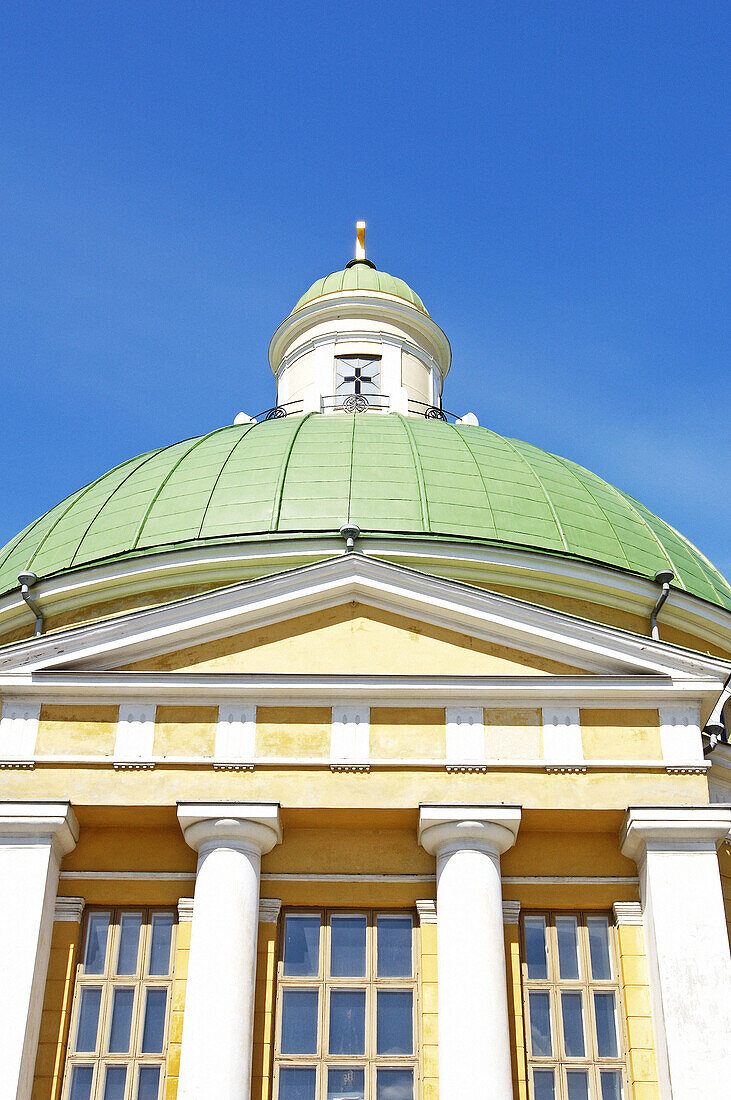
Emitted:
<point x="27" y="580"/>
<point x="714" y="727"/>
<point x="663" y="577"/>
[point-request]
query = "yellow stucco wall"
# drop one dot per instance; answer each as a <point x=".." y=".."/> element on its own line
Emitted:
<point x="293" y="731"/>
<point x="620" y="734"/>
<point x="398" y="733"/>
<point x="392" y="786"/>
<point x="182" y="952"/>
<point x="638" y="1012"/>
<point x="185" y="731"/>
<point x="77" y="729"/>
<point x="354" y="639"/>
<point x="515" y="1011"/>
<point x="55" y="1018"/>
<point x="350" y="842"/>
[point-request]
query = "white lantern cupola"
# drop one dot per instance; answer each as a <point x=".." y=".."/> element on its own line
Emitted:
<point x="360" y="340"/>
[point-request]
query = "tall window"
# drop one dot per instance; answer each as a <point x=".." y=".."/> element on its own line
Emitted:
<point x="572" y="1008"/>
<point x="119" y="1021"/>
<point x="358" y="374"/>
<point x="346" y="1007"/>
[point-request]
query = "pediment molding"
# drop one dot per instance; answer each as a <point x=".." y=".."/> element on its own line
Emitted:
<point x="598" y="650"/>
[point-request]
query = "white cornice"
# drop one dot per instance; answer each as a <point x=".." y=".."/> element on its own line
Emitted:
<point x="81" y="686"/>
<point x="353" y="306"/>
<point x="224" y="563"/>
<point x="449" y="604"/>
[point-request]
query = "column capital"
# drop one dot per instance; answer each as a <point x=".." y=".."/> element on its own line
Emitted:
<point x="673" y="828"/>
<point x="484" y="827"/>
<point x="250" y="825"/>
<point x="34" y="822"/>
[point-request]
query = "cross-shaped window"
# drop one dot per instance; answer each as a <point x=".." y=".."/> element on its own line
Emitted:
<point x="359" y="374"/>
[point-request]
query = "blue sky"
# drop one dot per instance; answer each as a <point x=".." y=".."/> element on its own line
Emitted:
<point x="550" y="177"/>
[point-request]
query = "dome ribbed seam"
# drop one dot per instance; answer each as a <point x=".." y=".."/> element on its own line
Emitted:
<point x="82" y="493"/>
<point x="423" y="500"/>
<point x="219" y="475"/>
<point x="543" y="489"/>
<point x="279" y="491"/>
<point x="470" y="452"/>
<point x="586" y="488"/>
<point x="101" y="507"/>
<point x="155" y="496"/>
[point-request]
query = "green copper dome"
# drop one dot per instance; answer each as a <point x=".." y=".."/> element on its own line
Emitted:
<point x="361" y="276"/>
<point x="392" y="475"/>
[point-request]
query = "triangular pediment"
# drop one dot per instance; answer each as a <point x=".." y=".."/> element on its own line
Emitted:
<point x="348" y="607"/>
<point x="355" y="639"/>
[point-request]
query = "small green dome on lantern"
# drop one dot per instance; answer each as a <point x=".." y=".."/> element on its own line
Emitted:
<point x="361" y="275"/>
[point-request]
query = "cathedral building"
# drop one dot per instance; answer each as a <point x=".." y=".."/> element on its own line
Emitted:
<point x="355" y="752"/>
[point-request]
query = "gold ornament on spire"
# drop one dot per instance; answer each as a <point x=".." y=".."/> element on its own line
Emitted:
<point x="360" y="252"/>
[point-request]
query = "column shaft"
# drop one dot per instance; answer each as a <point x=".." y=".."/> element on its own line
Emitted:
<point x="34" y="837"/>
<point x="219" y="1004"/>
<point x="474" y="1033"/>
<point x="687" y="942"/>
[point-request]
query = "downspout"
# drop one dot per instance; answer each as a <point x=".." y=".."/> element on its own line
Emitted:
<point x="663" y="577"/>
<point x="714" y="727"/>
<point x="27" y="580"/>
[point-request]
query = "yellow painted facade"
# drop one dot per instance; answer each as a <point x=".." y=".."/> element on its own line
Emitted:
<point x="353" y="640"/>
<point x="349" y="824"/>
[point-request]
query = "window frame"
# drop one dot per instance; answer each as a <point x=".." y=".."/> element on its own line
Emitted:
<point x="555" y="985"/>
<point x="370" y="1061"/>
<point x="371" y="358"/>
<point x="141" y="981"/>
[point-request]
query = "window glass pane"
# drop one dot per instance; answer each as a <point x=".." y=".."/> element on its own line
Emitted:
<point x="611" y="1080"/>
<point x="97" y="930"/>
<point x="577" y="1081"/>
<point x="297" y="1084"/>
<point x="573" y="1025"/>
<point x="153" y="1032"/>
<point x="394" y="1028"/>
<point x="345" y="1084"/>
<point x="347" y="947"/>
<point x="129" y="938"/>
<point x="358" y="374"/>
<point x="162" y="933"/>
<point x="115" y="1079"/>
<point x="394" y="947"/>
<point x="601" y="966"/>
<point x="302" y="946"/>
<point x="606" y="1027"/>
<point x="122" y="1004"/>
<point x="299" y="1021"/>
<point x="347" y="1021"/>
<point x="148" y="1083"/>
<point x="535" y="947"/>
<point x="395" y="1084"/>
<point x="543" y="1084"/>
<point x="540" y="1024"/>
<point x="88" y="1025"/>
<point x="568" y="953"/>
<point x="81" y="1078"/>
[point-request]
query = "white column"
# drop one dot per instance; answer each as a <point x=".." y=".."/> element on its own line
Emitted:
<point x="230" y="838"/>
<point x="474" y="1035"/>
<point x="34" y="838"/>
<point x="687" y="942"/>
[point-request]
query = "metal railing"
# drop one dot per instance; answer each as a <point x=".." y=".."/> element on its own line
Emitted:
<point x="431" y="412"/>
<point x="291" y="408"/>
<point x="355" y="403"/>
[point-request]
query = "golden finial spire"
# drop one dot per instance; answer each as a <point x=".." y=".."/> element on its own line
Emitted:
<point x="360" y="252"/>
